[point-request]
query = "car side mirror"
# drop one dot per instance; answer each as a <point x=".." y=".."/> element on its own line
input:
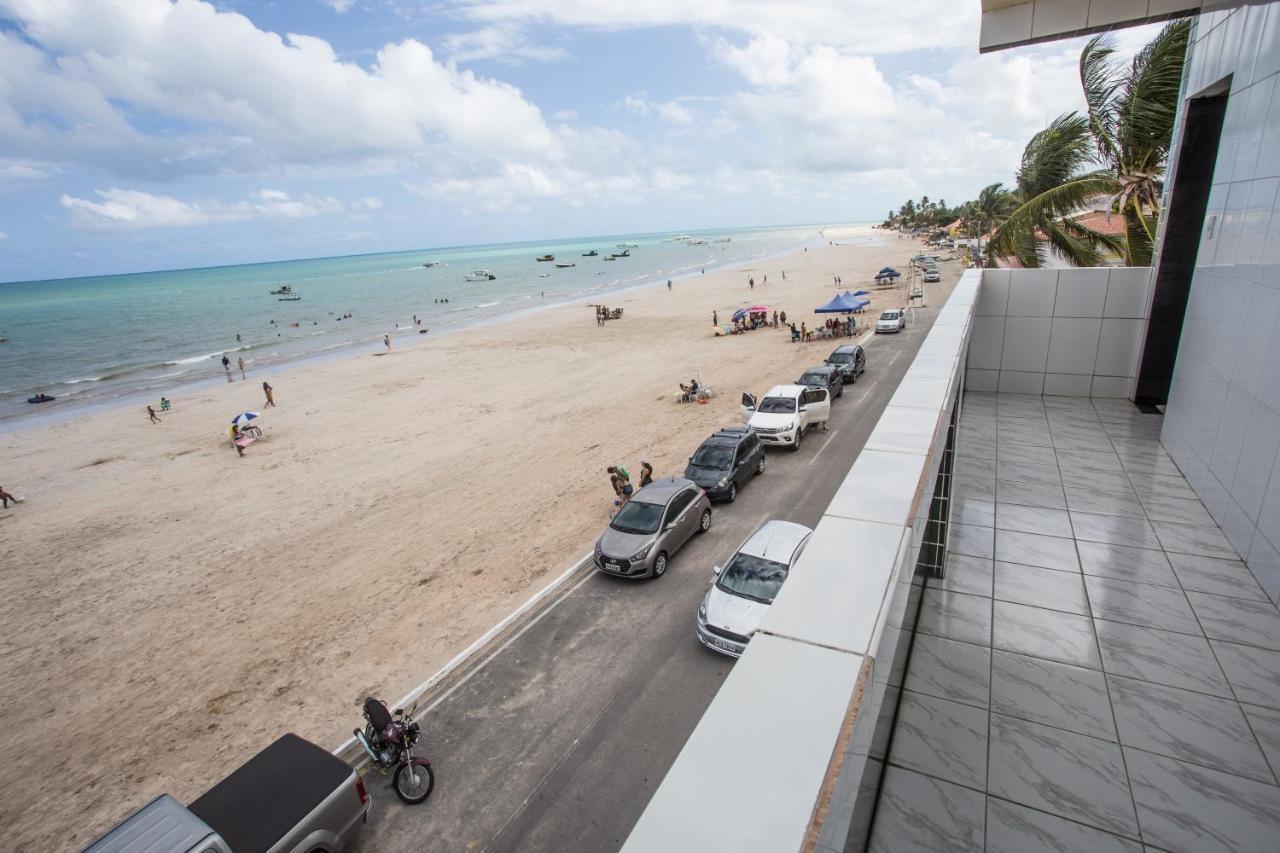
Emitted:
<point x="716" y="570"/>
<point x="804" y="408"/>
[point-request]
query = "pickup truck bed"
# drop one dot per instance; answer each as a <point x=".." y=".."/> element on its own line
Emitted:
<point x="254" y="807"/>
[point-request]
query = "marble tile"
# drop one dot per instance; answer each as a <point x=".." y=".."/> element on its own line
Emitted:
<point x="1148" y="463"/>
<point x="1114" y="530"/>
<point x="1064" y="637"/>
<point x="919" y="814"/>
<point x="1032" y="519"/>
<point x="1220" y="577"/>
<point x="1049" y="588"/>
<point x="956" y="616"/>
<point x="1104" y="481"/>
<point x="1083" y="499"/>
<point x="1090" y="460"/>
<point x="972" y="540"/>
<point x="1028" y="454"/>
<point x="942" y="738"/>
<point x="1020" y="405"/>
<point x="1185" y="807"/>
<point x="1254" y="673"/>
<point x="1140" y="604"/>
<point x="1012" y="828"/>
<point x="1265" y="723"/>
<point x="1149" y="485"/>
<point x="967" y="467"/>
<point x="1031" y="549"/>
<point x="1163" y="657"/>
<point x="967" y="510"/>
<point x="1056" y="694"/>
<point x="1194" y="539"/>
<point x="1188" y="726"/>
<point x="973" y="443"/>
<point x="1030" y="494"/>
<point x="967" y="574"/>
<point x="1022" y="473"/>
<point x="1237" y="620"/>
<point x="982" y="490"/>
<point x="1132" y="564"/>
<point x="1016" y="433"/>
<point x="1067" y="774"/>
<point x="950" y="670"/>
<point x="1179" y="510"/>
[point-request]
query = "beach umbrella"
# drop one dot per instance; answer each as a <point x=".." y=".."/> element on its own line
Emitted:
<point x="243" y="418"/>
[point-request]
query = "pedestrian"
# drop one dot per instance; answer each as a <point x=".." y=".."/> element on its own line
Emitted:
<point x="622" y="483"/>
<point x="235" y="441"/>
<point x="784" y="275"/>
<point x="751" y="282"/>
<point x="765" y="280"/>
<point x="6" y="497"/>
<point x="804" y="331"/>
<point x="646" y="474"/>
<point x="775" y="318"/>
<point x="704" y="270"/>
<point x="668" y="285"/>
<point x="151" y="413"/>
<point x="386" y="342"/>
<point x="783" y="317"/>
<point x="237" y="338"/>
<point x="240" y="364"/>
<point x="268" y="390"/>
<point x="715" y="318"/>
<point x="226" y="366"/>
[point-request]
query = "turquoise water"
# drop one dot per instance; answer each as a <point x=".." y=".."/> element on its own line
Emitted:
<point x="95" y="340"/>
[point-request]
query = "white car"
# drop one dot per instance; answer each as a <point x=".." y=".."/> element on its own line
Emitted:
<point x="737" y="601"/>
<point x="932" y="276"/>
<point x="785" y="413"/>
<point x="893" y="320"/>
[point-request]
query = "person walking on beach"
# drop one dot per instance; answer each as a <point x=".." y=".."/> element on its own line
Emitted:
<point x="784" y="275"/>
<point x="386" y="342"/>
<point x="715" y="318"/>
<point x="271" y="397"/>
<point x="751" y="282"/>
<point x="646" y="474"/>
<point x="765" y="280"/>
<point x="6" y="497"/>
<point x="775" y="318"/>
<point x="226" y="366"/>
<point x="668" y="285"/>
<point x="783" y="317"/>
<point x="240" y="364"/>
<point x="151" y="413"/>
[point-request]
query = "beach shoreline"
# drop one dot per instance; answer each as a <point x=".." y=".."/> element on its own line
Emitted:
<point x="166" y="591"/>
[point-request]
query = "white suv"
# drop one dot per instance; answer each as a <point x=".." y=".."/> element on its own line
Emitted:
<point x="784" y="414"/>
<point x="893" y="320"/>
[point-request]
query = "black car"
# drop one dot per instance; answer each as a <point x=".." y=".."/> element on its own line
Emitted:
<point x="824" y="376"/>
<point x="850" y="360"/>
<point x="725" y="462"/>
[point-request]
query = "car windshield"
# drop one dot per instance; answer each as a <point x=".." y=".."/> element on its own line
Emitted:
<point x="752" y="577"/>
<point x="889" y="315"/>
<point x="638" y="517"/>
<point x="813" y="379"/>
<point x="840" y="357"/>
<point x="716" y="456"/>
<point x="777" y="405"/>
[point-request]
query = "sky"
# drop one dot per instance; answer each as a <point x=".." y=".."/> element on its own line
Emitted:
<point x="159" y="134"/>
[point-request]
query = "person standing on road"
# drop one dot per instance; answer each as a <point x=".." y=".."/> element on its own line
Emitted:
<point x="268" y="390"/>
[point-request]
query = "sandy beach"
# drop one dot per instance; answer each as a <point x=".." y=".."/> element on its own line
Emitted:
<point x="168" y="608"/>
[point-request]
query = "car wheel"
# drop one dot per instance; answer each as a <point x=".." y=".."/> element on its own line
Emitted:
<point x="733" y="492"/>
<point x="760" y="466"/>
<point x="704" y="523"/>
<point x="660" y="564"/>
<point x="799" y="434"/>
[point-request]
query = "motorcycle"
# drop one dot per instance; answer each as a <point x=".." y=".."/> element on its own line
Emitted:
<point x="389" y="739"/>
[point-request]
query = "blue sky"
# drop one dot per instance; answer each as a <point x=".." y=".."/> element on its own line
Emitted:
<point x="152" y="134"/>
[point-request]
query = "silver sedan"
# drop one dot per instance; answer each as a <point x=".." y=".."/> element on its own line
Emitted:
<point x="651" y="527"/>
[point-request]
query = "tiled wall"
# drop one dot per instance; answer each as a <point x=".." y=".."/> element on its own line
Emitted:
<point x="1013" y="23"/>
<point x="1069" y="332"/>
<point x="1222" y="424"/>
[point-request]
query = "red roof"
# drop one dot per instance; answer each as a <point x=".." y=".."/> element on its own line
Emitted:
<point x="1100" y="222"/>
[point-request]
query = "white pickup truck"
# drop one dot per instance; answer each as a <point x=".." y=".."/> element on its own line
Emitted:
<point x="785" y="413"/>
<point x="293" y="797"/>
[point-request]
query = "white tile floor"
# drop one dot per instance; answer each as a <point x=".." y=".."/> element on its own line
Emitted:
<point x="1098" y="671"/>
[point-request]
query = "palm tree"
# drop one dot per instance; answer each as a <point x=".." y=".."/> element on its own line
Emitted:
<point x="993" y="204"/>
<point x="1126" y="131"/>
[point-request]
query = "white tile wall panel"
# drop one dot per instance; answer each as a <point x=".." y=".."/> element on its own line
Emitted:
<point x="880" y="487"/>
<point x="1229" y="440"/>
<point x="1119" y="347"/>
<point x="987" y="343"/>
<point x="1073" y="342"/>
<point x="1103" y="13"/>
<point x="1005" y="26"/>
<point x="1081" y="292"/>
<point x="993" y="296"/>
<point x="982" y="380"/>
<point x="1264" y="562"/>
<point x="1257" y="459"/>
<point x="1268" y="61"/>
<point x="1067" y="385"/>
<point x="1253" y="231"/>
<point x="1255" y="339"/>
<point x="1034" y="293"/>
<point x="1059" y="16"/>
<point x="1238" y="528"/>
<point x="1128" y="291"/>
<point x="1026" y="344"/>
<point x="1253" y="116"/>
<point x="1017" y="382"/>
<point x="1111" y="386"/>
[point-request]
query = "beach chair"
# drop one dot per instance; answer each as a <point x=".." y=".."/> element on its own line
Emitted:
<point x="244" y="440"/>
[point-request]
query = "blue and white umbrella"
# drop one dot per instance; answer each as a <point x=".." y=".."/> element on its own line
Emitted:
<point x="242" y="419"/>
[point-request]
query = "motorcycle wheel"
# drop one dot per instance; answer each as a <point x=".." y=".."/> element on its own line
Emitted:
<point x="409" y="790"/>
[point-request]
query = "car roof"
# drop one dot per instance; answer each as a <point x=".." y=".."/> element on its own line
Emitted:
<point x="820" y="368"/>
<point x="662" y="490"/>
<point x="846" y="348"/>
<point x="786" y="391"/>
<point x="724" y="438"/>
<point x="775" y="540"/>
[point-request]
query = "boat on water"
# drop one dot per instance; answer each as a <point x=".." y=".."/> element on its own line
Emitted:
<point x="723" y="240"/>
<point x="564" y="266"/>
<point x="41" y="398"/>
<point x="625" y="253"/>
<point x="284" y="290"/>
<point x="291" y="297"/>
<point x="430" y="264"/>
<point x="628" y="245"/>
<point x="610" y="257"/>
<point x="696" y="243"/>
<point x="590" y="254"/>
<point x="480" y="275"/>
<point x="546" y="258"/>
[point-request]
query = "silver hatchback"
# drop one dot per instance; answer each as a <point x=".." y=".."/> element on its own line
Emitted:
<point x="651" y="527"/>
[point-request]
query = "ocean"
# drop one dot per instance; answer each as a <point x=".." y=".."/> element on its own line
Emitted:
<point x="99" y="340"/>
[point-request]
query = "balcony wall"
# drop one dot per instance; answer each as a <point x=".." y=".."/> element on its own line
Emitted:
<point x="1067" y="332"/>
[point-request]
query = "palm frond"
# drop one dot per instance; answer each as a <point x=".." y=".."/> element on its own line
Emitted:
<point x="1147" y="103"/>
<point x="1040" y="212"/>
<point x="1055" y="155"/>
<point x="1099" y="73"/>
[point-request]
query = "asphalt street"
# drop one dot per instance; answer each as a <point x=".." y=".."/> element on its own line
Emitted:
<point x="557" y="739"/>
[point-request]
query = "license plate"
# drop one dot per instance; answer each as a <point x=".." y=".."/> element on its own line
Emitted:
<point x="612" y="564"/>
<point x="728" y="647"/>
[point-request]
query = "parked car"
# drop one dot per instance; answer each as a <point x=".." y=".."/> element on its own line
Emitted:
<point x="824" y="376"/>
<point x="850" y="360"/>
<point x="726" y="462"/>
<point x="893" y="320"/>
<point x="785" y="413"/>
<point x="651" y="527"/>
<point x="739" y="598"/>
<point x="932" y="275"/>
<point x="292" y="797"/>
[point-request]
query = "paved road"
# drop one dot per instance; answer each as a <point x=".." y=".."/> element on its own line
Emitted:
<point x="558" y="741"/>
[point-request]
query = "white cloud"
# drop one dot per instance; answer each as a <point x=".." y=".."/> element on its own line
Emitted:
<point x="3" y="236"/>
<point x="672" y="111"/>
<point x="519" y="186"/>
<point x="339" y="6"/>
<point x="504" y="42"/>
<point x="367" y="203"/>
<point x="119" y="209"/>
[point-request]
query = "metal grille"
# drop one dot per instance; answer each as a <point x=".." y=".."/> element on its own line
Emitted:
<point x="933" y="549"/>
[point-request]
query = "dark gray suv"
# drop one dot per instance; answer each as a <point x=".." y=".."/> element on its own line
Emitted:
<point x="850" y="360"/>
<point x="725" y="462"/>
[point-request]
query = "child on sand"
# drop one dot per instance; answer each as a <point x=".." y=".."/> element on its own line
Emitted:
<point x="271" y="398"/>
<point x="151" y="413"/>
<point x="6" y="497"/>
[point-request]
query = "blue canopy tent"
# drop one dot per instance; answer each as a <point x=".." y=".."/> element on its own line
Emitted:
<point x="888" y="272"/>
<point x="860" y="292"/>
<point x="841" y="304"/>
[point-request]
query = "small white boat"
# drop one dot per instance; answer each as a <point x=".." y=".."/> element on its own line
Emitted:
<point x="564" y="266"/>
<point x="291" y="297"/>
<point x="480" y="275"/>
<point x="430" y="264"/>
<point x="545" y="258"/>
<point x="628" y="245"/>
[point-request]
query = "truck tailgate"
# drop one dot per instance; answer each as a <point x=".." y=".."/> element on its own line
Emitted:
<point x="271" y="793"/>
